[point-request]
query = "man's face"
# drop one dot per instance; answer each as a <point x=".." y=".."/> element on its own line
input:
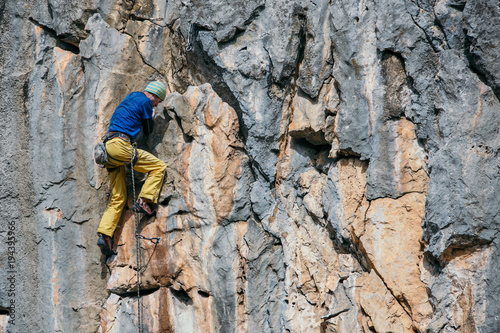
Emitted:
<point x="156" y="100"/>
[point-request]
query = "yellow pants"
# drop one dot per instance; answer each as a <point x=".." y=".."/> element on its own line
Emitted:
<point x="120" y="152"/>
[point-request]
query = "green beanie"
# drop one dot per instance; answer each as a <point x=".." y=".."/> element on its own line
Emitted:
<point x="157" y="88"/>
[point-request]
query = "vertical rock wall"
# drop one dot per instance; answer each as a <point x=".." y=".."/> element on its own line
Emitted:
<point x="332" y="166"/>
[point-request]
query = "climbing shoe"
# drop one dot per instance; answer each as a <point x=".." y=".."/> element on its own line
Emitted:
<point x="105" y="244"/>
<point x="142" y="206"/>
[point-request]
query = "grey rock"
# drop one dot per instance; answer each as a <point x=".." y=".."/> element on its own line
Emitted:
<point x="260" y="124"/>
<point x="223" y="281"/>
<point x="316" y="65"/>
<point x="481" y="22"/>
<point x="331" y="201"/>
<point x="473" y="137"/>
<point x="449" y="15"/>
<point x="352" y="117"/>
<point x="491" y="323"/>
<point x="266" y="281"/>
<point x="225" y="19"/>
<point x="262" y="199"/>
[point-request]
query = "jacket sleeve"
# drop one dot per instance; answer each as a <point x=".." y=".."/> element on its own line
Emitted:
<point x="147" y="117"/>
<point x="147" y="126"/>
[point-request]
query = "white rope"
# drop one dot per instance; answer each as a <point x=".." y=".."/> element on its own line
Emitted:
<point x="138" y="249"/>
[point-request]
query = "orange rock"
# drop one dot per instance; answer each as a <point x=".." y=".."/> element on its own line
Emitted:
<point x="388" y="231"/>
<point x="385" y="313"/>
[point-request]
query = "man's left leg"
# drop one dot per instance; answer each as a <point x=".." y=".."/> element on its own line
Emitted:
<point x="113" y="212"/>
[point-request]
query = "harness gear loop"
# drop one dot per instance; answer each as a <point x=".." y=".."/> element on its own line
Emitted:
<point x="138" y="248"/>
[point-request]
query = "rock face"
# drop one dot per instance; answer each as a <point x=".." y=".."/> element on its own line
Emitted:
<point x="332" y="166"/>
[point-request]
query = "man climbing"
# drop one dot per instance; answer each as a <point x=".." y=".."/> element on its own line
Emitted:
<point x="134" y="112"/>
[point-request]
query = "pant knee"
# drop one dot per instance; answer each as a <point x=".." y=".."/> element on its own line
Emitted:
<point x="118" y="201"/>
<point x="162" y="167"/>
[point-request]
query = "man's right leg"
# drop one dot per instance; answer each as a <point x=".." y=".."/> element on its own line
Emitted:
<point x="155" y="168"/>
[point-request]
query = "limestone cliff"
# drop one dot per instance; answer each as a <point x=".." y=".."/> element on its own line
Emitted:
<point x="332" y="166"/>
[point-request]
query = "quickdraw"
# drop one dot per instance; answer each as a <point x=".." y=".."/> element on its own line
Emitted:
<point x="154" y="240"/>
<point x="189" y="45"/>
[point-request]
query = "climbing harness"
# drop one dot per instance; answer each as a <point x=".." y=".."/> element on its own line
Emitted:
<point x="101" y="156"/>
<point x="112" y="135"/>
<point x="189" y="45"/>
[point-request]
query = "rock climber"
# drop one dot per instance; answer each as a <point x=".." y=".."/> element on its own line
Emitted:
<point x="134" y="112"/>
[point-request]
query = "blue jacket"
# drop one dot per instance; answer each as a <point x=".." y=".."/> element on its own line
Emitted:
<point x="134" y="112"/>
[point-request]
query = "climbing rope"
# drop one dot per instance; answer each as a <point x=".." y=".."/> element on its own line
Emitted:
<point x="137" y="244"/>
<point x="155" y="240"/>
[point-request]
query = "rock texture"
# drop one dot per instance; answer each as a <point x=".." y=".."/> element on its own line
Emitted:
<point x="332" y="166"/>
